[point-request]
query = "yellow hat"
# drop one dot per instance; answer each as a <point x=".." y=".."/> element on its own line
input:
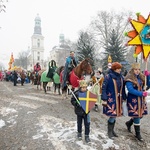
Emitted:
<point x="82" y="83"/>
<point x="136" y="66"/>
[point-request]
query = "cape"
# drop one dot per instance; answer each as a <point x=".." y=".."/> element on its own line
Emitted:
<point x="74" y="80"/>
<point x="44" y="77"/>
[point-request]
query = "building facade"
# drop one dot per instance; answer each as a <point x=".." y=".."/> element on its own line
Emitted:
<point x="60" y="52"/>
<point x="37" y="46"/>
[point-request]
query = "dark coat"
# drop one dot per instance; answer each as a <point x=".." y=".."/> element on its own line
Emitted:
<point x="77" y="108"/>
<point x="113" y="92"/>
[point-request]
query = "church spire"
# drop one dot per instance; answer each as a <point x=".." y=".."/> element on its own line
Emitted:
<point x="37" y="27"/>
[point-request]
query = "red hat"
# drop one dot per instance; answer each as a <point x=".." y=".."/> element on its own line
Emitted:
<point x="116" y="65"/>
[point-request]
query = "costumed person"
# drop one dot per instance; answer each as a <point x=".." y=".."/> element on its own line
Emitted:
<point x="37" y="68"/>
<point x="71" y="62"/>
<point x="81" y="115"/>
<point x="113" y="94"/>
<point x="136" y="104"/>
<point x="99" y="78"/>
<point x="51" y="69"/>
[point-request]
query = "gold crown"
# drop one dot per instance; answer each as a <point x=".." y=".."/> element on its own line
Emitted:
<point x="82" y="83"/>
<point x="136" y="66"/>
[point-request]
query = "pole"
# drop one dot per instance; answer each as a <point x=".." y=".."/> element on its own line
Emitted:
<point x="74" y="95"/>
<point x="146" y="63"/>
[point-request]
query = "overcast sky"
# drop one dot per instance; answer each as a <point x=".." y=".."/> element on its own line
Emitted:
<point x="57" y="16"/>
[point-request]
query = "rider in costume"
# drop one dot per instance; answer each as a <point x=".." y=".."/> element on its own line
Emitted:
<point x="71" y="62"/>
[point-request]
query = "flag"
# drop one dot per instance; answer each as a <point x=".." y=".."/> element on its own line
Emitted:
<point x="87" y="100"/>
<point x="11" y="61"/>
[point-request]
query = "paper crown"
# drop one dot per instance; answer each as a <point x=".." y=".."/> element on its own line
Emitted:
<point x="82" y="83"/>
<point x="136" y="66"/>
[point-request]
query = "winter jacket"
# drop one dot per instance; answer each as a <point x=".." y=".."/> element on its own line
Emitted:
<point x="77" y="108"/>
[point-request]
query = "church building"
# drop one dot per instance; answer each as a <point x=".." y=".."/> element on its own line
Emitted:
<point x="60" y="51"/>
<point x="37" y="46"/>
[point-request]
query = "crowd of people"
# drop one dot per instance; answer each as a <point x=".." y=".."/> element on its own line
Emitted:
<point x="115" y="89"/>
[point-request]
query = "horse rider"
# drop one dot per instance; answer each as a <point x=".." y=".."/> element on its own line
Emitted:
<point x="37" y="68"/>
<point x="71" y="62"/>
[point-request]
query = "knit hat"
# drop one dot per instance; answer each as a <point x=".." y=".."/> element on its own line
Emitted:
<point x="136" y="66"/>
<point x="116" y="65"/>
<point x="83" y="83"/>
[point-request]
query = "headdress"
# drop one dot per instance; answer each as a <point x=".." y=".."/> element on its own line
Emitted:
<point x="83" y="83"/>
<point x="136" y="66"/>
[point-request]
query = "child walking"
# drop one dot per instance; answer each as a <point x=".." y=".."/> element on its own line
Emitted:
<point x="81" y="115"/>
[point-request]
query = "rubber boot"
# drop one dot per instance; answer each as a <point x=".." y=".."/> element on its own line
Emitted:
<point x="110" y="129"/>
<point x="137" y="133"/>
<point x="129" y="124"/>
<point x="114" y="134"/>
<point x="79" y="136"/>
<point x="87" y="139"/>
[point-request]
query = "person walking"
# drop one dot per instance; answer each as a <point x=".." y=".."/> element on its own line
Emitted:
<point x="23" y="76"/>
<point x="136" y="103"/>
<point x="15" y="76"/>
<point x="81" y="115"/>
<point x="113" y="94"/>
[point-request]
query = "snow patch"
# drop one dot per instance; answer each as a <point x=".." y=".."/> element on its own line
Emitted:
<point x="2" y="123"/>
<point x="6" y="111"/>
<point x="59" y="131"/>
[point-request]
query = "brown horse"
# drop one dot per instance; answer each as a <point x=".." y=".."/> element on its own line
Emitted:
<point x="32" y="77"/>
<point x="78" y="73"/>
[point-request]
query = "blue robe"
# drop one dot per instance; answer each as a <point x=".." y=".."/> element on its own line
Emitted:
<point x="136" y="104"/>
<point x="113" y="92"/>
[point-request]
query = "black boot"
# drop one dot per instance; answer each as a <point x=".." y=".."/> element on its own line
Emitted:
<point x="114" y="134"/>
<point x="110" y="129"/>
<point x="137" y="132"/>
<point x="87" y="139"/>
<point x="79" y="136"/>
<point x="96" y="107"/>
<point x="129" y="124"/>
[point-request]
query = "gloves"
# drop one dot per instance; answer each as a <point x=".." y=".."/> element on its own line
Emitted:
<point x="104" y="103"/>
<point x="145" y="94"/>
<point x="146" y="73"/>
<point x="77" y="105"/>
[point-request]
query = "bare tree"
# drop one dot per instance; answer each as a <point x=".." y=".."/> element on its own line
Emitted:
<point x="104" y="24"/>
<point x="22" y="59"/>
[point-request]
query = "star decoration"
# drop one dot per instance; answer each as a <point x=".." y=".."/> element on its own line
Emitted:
<point x="140" y="36"/>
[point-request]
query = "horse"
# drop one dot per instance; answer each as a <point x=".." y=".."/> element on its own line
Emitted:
<point x="55" y="79"/>
<point x="33" y="78"/>
<point x="78" y="73"/>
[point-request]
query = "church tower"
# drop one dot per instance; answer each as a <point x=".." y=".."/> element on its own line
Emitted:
<point x="37" y="43"/>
